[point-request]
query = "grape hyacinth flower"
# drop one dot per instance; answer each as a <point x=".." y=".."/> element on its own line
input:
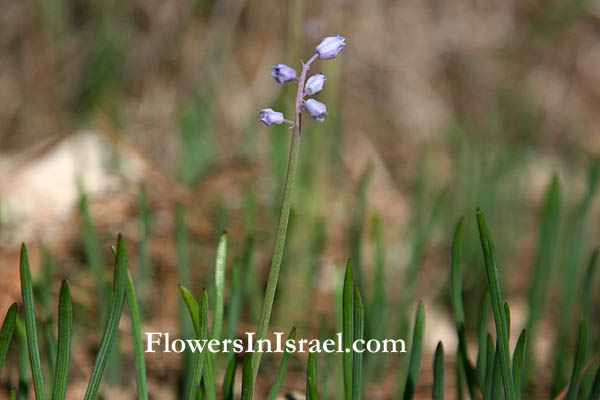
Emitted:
<point x="327" y="49"/>
<point x="271" y="117"/>
<point x="314" y="84"/>
<point x="330" y="47"/>
<point x="282" y="73"/>
<point x="316" y="109"/>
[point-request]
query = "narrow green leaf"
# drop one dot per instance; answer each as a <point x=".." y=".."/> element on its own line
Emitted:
<point x="247" y="378"/>
<point x="497" y="305"/>
<point x="311" y="377"/>
<point x="6" y="333"/>
<point x="497" y="377"/>
<point x="507" y="313"/>
<point x="359" y="334"/>
<point x="208" y="378"/>
<point x="138" y="344"/>
<point x="489" y="372"/>
<point x="235" y="300"/>
<point x="482" y="351"/>
<point x="348" y="329"/>
<point x="282" y="368"/>
<point x="458" y="310"/>
<point x="65" y="328"/>
<point x="30" y="326"/>
<point x="588" y="292"/>
<point x="192" y="306"/>
<point x="519" y="361"/>
<point x="110" y="331"/>
<point x="13" y="394"/>
<point x="415" y="353"/>
<point x="595" y="392"/>
<point x="438" y="373"/>
<point x="314" y="394"/>
<point x="578" y="363"/>
<point x="229" y="379"/>
<point x="199" y="356"/>
<point x="22" y="361"/>
<point x="220" y="264"/>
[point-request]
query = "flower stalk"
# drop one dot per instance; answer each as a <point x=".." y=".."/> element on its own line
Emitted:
<point x="284" y="217"/>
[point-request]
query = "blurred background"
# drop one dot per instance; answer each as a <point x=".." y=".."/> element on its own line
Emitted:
<point x="141" y="117"/>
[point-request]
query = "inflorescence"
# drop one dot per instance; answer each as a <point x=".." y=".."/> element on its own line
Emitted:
<point x="327" y="49"/>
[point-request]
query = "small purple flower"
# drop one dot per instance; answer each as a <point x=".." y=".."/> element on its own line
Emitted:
<point x="330" y="47"/>
<point x="314" y="84"/>
<point x="316" y="109"/>
<point x="282" y="73"/>
<point x="271" y="117"/>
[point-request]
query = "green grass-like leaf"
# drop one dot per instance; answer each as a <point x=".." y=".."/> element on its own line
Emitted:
<point x="110" y="331"/>
<point x="348" y="328"/>
<point x="595" y="391"/>
<point x="138" y="344"/>
<point x="314" y="394"/>
<point x="519" y="361"/>
<point x="497" y="306"/>
<point x="30" y="327"/>
<point x="587" y="291"/>
<point x="415" y="353"/>
<point x="6" y="332"/>
<point x="220" y="264"/>
<point x="229" y="379"/>
<point x="359" y="334"/>
<point x="22" y="359"/>
<point x="311" y="377"/>
<point x="458" y="310"/>
<point x="578" y="363"/>
<point x="438" y="373"/>
<point x="282" y="368"/>
<point x="65" y="328"/>
<point x="247" y="378"/>
<point x="192" y="306"/>
<point x="482" y="351"/>
<point x="202" y="334"/>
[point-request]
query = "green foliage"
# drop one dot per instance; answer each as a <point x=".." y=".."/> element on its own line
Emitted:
<point x="282" y="368"/>
<point x="497" y="306"/>
<point x="110" y="330"/>
<point x="415" y="353"/>
<point x="30" y="326"/>
<point x="6" y="332"/>
<point x="438" y="373"/>
<point x="65" y="327"/>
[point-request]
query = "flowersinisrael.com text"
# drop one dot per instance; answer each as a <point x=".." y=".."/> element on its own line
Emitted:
<point x="161" y="342"/>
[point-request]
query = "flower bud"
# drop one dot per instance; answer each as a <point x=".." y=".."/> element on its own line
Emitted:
<point x="316" y="109"/>
<point x="282" y="73"/>
<point x="271" y="117"/>
<point x="314" y="84"/>
<point x="330" y="47"/>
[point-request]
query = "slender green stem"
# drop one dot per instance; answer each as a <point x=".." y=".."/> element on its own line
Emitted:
<point x="282" y="225"/>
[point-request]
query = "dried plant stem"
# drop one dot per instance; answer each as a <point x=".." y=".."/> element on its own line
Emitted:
<point x="284" y="216"/>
